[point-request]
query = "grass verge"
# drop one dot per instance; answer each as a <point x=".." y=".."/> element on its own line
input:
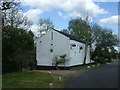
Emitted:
<point x="85" y="67"/>
<point x="30" y="80"/>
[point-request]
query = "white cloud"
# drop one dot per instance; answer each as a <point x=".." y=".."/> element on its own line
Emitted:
<point x="60" y="14"/>
<point x="113" y="20"/>
<point x="72" y="14"/>
<point x="110" y="22"/>
<point x="33" y="15"/>
<point x="71" y="7"/>
<point x="34" y="28"/>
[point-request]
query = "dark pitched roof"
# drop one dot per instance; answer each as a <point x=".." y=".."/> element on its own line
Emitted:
<point x="70" y="36"/>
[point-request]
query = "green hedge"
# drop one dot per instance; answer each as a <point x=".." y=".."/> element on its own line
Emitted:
<point x="9" y="66"/>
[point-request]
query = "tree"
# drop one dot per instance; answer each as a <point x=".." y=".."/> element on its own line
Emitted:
<point x="104" y="40"/>
<point x="16" y="42"/>
<point x="103" y="36"/>
<point x="82" y="30"/>
<point x="5" y="5"/>
<point x="13" y="15"/>
<point x="65" y="31"/>
<point x="45" y="24"/>
<point x="96" y="32"/>
<point x="113" y="52"/>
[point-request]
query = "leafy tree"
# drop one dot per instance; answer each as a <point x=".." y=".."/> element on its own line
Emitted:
<point x="103" y="39"/>
<point x="103" y="36"/>
<point x="7" y="5"/>
<point x="82" y="30"/>
<point x="113" y="53"/>
<point x="65" y="31"/>
<point x="15" y="43"/>
<point x="107" y="39"/>
<point x="13" y="16"/>
<point x="96" y="32"/>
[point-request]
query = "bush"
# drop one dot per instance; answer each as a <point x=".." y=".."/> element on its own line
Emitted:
<point x="57" y="60"/>
<point x="100" y="60"/>
<point x="101" y="55"/>
<point x="9" y="66"/>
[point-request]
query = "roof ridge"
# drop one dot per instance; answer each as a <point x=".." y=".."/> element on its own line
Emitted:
<point x="70" y="36"/>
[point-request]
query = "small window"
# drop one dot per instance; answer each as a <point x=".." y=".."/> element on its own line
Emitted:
<point x="51" y="50"/>
<point x="40" y="41"/>
<point x="81" y="48"/>
<point x="51" y="44"/>
<point x="73" y="45"/>
<point x="51" y="35"/>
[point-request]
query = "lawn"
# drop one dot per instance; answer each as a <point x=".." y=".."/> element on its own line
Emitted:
<point x="30" y="80"/>
<point x="35" y="79"/>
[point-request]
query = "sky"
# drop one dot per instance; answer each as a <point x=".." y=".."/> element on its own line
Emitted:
<point x="61" y="12"/>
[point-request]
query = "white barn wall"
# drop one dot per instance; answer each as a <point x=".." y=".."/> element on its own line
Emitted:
<point x="61" y="46"/>
<point x="43" y="50"/>
<point x="88" y="55"/>
<point x="76" y="56"/>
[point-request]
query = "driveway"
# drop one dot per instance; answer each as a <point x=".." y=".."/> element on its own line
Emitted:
<point x="105" y="76"/>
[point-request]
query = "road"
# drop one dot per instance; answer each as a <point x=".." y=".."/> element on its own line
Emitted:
<point x="105" y="76"/>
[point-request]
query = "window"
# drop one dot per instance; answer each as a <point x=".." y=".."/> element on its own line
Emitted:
<point x="40" y="41"/>
<point x="51" y="35"/>
<point x="80" y="49"/>
<point x="72" y="45"/>
<point x="51" y="50"/>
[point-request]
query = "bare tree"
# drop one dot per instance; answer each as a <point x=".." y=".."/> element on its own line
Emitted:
<point x="45" y="24"/>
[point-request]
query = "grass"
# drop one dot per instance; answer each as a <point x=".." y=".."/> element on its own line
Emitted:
<point x="84" y="67"/>
<point x="30" y="80"/>
<point x="35" y="79"/>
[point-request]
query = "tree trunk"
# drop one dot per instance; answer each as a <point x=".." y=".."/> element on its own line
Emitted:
<point x="31" y="66"/>
<point x="56" y="66"/>
<point x="86" y="48"/>
<point x="21" y="65"/>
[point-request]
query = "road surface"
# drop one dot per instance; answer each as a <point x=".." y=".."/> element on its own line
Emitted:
<point x="105" y="76"/>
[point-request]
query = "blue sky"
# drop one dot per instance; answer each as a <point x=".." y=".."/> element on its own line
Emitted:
<point x="112" y="8"/>
<point x="60" y="12"/>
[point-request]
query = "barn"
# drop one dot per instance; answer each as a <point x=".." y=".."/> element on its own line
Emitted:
<point x="56" y="43"/>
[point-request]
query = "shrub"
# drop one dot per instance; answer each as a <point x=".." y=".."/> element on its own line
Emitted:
<point x="9" y="66"/>
<point x="59" y="60"/>
<point x="101" y="60"/>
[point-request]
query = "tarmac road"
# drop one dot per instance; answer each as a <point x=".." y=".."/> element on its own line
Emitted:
<point x="105" y="76"/>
